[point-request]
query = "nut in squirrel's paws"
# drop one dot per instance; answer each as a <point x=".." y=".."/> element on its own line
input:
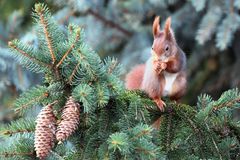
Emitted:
<point x="160" y="103"/>
<point x="162" y="65"/>
<point x="159" y="66"/>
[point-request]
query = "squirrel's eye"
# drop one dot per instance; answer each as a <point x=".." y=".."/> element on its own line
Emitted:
<point x="166" y="48"/>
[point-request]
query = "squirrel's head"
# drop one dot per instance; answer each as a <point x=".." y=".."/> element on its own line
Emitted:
<point x="164" y="44"/>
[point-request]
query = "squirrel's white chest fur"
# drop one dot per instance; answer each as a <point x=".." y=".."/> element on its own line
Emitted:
<point x="169" y="80"/>
<point x="152" y="82"/>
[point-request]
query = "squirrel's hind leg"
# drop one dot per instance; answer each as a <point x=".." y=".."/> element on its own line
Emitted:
<point x="160" y="103"/>
<point x="179" y="87"/>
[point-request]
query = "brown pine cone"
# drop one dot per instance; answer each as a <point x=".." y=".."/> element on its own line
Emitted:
<point x="69" y="120"/>
<point x="45" y="131"/>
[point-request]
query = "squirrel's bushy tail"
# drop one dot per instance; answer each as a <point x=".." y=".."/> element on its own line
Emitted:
<point x="134" y="78"/>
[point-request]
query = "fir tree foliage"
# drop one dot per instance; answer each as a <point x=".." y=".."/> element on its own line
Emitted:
<point x="30" y="98"/>
<point x="20" y="126"/>
<point x="114" y="123"/>
<point x="198" y="5"/>
<point x="18" y="147"/>
<point x="237" y="4"/>
<point x="221" y="18"/>
<point x="12" y="74"/>
<point x="206" y="29"/>
<point x="226" y="31"/>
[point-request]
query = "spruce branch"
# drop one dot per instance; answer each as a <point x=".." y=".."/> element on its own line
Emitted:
<point x="119" y="141"/>
<point x="18" y="147"/>
<point x="25" y="54"/>
<point x="235" y="129"/>
<point x="231" y="7"/>
<point x="70" y="49"/>
<point x="145" y="151"/>
<point x="36" y="99"/>
<point x="214" y="142"/>
<point x="237" y="4"/>
<point x="13" y="154"/>
<point x="57" y="155"/>
<point x="10" y="133"/>
<point x="85" y="93"/>
<point x="112" y="67"/>
<point x="226" y="30"/>
<point x="30" y="98"/>
<point x="208" y="25"/>
<point x="197" y="130"/>
<point x="227" y="104"/>
<point x="109" y="22"/>
<point x="139" y="138"/>
<point x="102" y="94"/>
<point x="198" y="5"/>
<point x="40" y="9"/>
<point x="74" y="72"/>
<point x="229" y="100"/>
<point x="166" y="131"/>
<point x="20" y="126"/>
<point x="143" y="132"/>
<point x="169" y="131"/>
<point x="92" y="66"/>
<point x="187" y="114"/>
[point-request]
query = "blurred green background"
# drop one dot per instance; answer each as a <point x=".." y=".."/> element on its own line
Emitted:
<point x="207" y="31"/>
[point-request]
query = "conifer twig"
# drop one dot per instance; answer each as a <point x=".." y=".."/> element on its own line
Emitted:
<point x="144" y="132"/>
<point x="9" y="132"/>
<point x="198" y="132"/>
<point x="109" y="22"/>
<point x="10" y="44"/>
<point x="57" y="155"/>
<point x="44" y="95"/>
<point x="7" y="154"/>
<point x="70" y="49"/>
<point x="73" y="73"/>
<point x="227" y="104"/>
<point x="111" y="68"/>
<point x="138" y="149"/>
<point x="235" y="130"/>
<point x="169" y="130"/>
<point x="39" y="10"/>
<point x="231" y="7"/>
<point x="214" y="142"/>
<point x="194" y="126"/>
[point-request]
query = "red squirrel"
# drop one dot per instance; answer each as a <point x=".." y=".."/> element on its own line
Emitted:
<point x="164" y="73"/>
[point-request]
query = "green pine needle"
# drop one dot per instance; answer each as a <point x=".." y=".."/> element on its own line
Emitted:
<point x="30" y="98"/>
<point x="85" y="94"/>
<point x="119" y="141"/>
<point x="20" y="126"/>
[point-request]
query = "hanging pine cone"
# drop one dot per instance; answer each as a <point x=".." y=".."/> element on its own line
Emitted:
<point x="45" y="131"/>
<point x="69" y="120"/>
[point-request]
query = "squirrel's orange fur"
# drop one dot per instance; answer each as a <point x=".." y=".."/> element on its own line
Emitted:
<point x="164" y="74"/>
<point x="135" y="77"/>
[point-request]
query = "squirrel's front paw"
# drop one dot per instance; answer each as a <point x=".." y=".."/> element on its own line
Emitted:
<point x="162" y="65"/>
<point x="159" y="66"/>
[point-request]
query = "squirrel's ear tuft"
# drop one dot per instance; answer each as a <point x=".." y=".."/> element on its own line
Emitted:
<point x="167" y="30"/>
<point x="156" y="27"/>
